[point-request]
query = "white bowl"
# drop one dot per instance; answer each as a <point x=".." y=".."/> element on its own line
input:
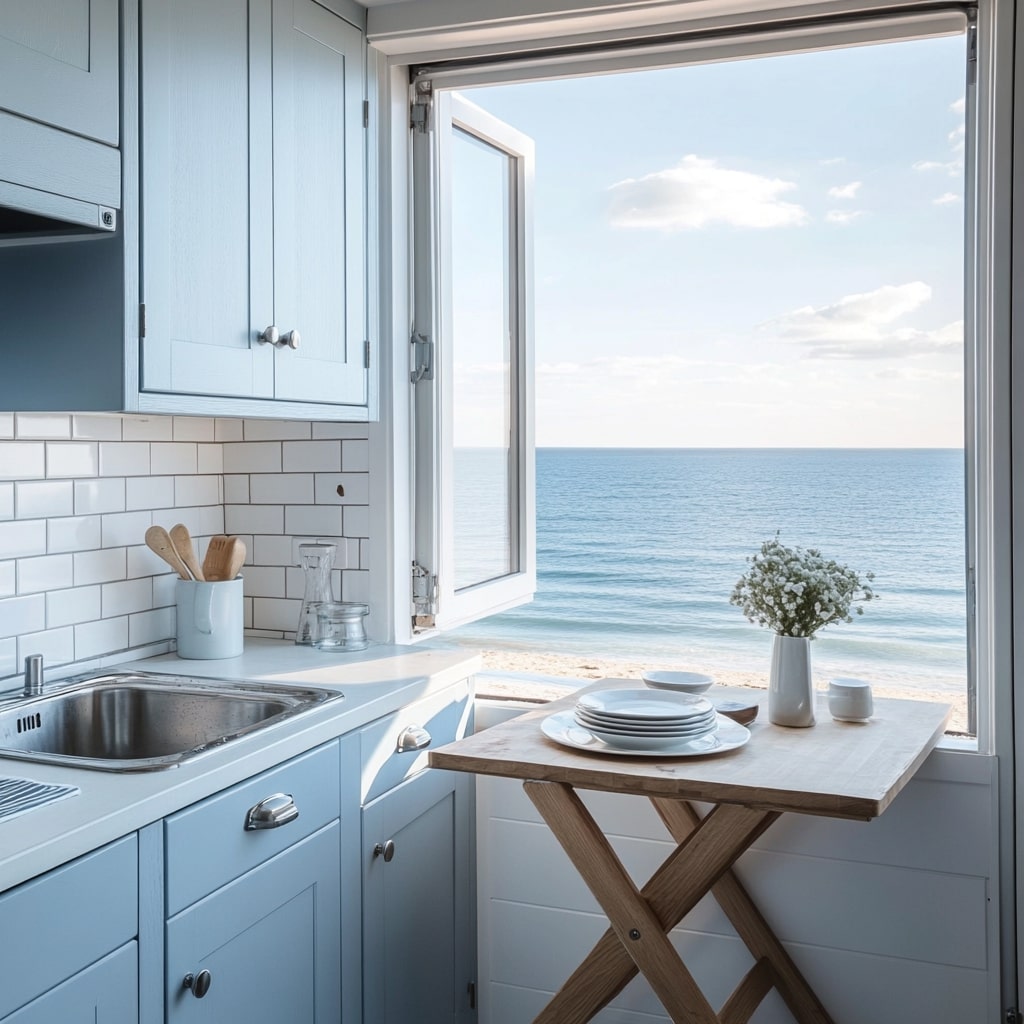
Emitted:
<point x="683" y="682"/>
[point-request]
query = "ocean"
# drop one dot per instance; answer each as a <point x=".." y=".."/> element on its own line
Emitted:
<point x="638" y="551"/>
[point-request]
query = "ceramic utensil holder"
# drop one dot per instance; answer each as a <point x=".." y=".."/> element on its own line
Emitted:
<point x="210" y="619"/>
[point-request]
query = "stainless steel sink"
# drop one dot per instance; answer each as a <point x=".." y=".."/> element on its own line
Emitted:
<point x="132" y="722"/>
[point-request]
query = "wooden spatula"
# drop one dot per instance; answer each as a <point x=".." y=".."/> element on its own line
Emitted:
<point x="224" y="557"/>
<point x="158" y="540"/>
<point x="182" y="541"/>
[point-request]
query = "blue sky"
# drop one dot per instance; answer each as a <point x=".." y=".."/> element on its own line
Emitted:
<point x="755" y="253"/>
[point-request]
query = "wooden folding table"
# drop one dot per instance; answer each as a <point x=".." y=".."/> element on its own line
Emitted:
<point x="835" y="769"/>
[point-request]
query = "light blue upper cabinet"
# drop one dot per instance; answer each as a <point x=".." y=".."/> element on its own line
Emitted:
<point x="252" y="202"/>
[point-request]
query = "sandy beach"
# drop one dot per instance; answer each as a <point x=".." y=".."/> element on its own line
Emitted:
<point x="521" y="664"/>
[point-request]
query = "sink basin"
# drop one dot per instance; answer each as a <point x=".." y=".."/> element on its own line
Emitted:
<point x="131" y="722"/>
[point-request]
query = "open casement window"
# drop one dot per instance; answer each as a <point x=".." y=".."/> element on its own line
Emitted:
<point x="472" y="364"/>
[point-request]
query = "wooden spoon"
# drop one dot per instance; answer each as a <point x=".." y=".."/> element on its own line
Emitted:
<point x="224" y="558"/>
<point x="158" y="540"/>
<point x="215" y="555"/>
<point x="182" y="541"/>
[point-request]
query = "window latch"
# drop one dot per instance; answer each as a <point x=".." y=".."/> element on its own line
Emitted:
<point x="423" y="359"/>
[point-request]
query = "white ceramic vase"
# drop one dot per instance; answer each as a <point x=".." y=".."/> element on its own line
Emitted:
<point x="790" y="690"/>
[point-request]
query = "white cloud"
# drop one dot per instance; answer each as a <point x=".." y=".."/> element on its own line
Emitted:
<point x="956" y="138"/>
<point x="946" y="198"/>
<point x="951" y="167"/>
<point x="848" y="191"/>
<point x="832" y="161"/>
<point x="958" y="106"/>
<point x="860" y="326"/>
<point x="697" y="193"/>
<point x="843" y="216"/>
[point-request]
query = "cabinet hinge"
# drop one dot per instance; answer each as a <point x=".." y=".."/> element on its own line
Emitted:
<point x="471" y="989"/>
<point x="423" y="358"/>
<point x="424" y="597"/>
<point x="366" y="113"/>
<point x="419" y="115"/>
<point x="142" y="319"/>
<point x="366" y="355"/>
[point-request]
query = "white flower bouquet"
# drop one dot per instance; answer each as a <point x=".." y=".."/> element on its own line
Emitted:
<point x="796" y="591"/>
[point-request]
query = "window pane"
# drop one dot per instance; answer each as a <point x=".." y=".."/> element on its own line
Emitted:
<point x="484" y="456"/>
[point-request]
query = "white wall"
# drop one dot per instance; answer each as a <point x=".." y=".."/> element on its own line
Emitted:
<point x="77" y="493"/>
<point x="891" y="921"/>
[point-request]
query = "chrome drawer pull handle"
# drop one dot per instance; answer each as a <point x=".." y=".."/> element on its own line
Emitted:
<point x="271" y="812"/>
<point x="413" y="737"/>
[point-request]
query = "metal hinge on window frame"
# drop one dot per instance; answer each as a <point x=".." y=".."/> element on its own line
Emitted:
<point x="366" y="355"/>
<point x="142" y="319"/>
<point x="423" y="358"/>
<point x="424" y="597"/>
<point x="419" y="113"/>
<point x="1012" y="1015"/>
<point x="972" y="45"/>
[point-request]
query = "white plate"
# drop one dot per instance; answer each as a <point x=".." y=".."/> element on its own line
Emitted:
<point x="633" y="705"/>
<point x="681" y="682"/>
<point x="634" y="741"/>
<point x="562" y="728"/>
<point x="643" y="728"/>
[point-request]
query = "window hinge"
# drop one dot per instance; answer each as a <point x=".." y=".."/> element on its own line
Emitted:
<point x="471" y="989"/>
<point x="419" y="115"/>
<point x="1012" y="1015"/>
<point x="142" y="319"/>
<point x="366" y="113"/>
<point x="366" y="355"/>
<point x="972" y="45"/>
<point x="423" y="358"/>
<point x="424" y="597"/>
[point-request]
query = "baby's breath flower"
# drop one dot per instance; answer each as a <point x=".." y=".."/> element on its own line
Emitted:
<point x="796" y="591"/>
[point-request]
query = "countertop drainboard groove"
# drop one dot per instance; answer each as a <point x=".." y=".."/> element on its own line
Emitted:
<point x="17" y="796"/>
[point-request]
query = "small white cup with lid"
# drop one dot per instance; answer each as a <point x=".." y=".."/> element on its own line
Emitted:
<point x="849" y="700"/>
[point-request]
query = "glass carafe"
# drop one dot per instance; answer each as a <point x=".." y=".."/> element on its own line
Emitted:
<point x="316" y="560"/>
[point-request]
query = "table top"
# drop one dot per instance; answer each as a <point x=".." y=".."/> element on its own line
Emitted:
<point x="837" y="769"/>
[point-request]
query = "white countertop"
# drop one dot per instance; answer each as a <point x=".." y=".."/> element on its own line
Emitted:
<point x="374" y="682"/>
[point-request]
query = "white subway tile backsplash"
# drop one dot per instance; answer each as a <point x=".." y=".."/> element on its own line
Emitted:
<point x="147" y="428"/>
<point x="197" y="490"/>
<point x="103" y="566"/>
<point x="311" y="456"/>
<point x="151" y="626"/>
<point x="354" y="488"/>
<point x="254" y="518"/>
<point x="72" y="458"/>
<point x="22" y="460"/>
<point x="101" y="495"/>
<point x="103" y="637"/>
<point x="173" y="458"/>
<point x="124" y="458"/>
<point x="96" y="428"/>
<point x="127" y="596"/>
<point x="77" y="492"/>
<point x="120" y="529"/>
<point x="57" y="646"/>
<point x="141" y="492"/>
<point x="49" y="572"/>
<point x="68" y="607"/>
<point x="73" y="533"/>
<point x="24" y="615"/>
<point x="314" y="520"/>
<point x="26" y="537"/>
<point x="40" y="499"/>
<point x="253" y="457"/>
<point x="194" y="428"/>
<point x="42" y="424"/>
<point x="355" y="585"/>
<point x="281" y="489"/>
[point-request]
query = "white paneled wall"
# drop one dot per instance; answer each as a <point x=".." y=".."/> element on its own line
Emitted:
<point x="890" y="920"/>
<point x="77" y="493"/>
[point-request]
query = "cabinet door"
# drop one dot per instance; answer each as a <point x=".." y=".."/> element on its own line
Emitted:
<point x="418" y="924"/>
<point x="207" y="182"/>
<point x="318" y="204"/>
<point x="106" y="993"/>
<point x="271" y="941"/>
<point x="59" y="63"/>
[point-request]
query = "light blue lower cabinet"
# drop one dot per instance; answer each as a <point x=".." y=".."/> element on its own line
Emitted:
<point x="105" y="993"/>
<point x="265" y="948"/>
<point x="419" y="903"/>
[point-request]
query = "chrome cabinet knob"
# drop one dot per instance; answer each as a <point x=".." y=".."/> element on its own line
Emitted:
<point x="199" y="984"/>
<point x="385" y="850"/>
<point x="269" y="336"/>
<point x="292" y="339"/>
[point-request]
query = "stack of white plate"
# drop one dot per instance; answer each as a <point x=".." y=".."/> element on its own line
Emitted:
<point x="641" y="720"/>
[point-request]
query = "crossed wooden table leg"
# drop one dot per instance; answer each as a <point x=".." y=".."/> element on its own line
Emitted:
<point x="640" y="920"/>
